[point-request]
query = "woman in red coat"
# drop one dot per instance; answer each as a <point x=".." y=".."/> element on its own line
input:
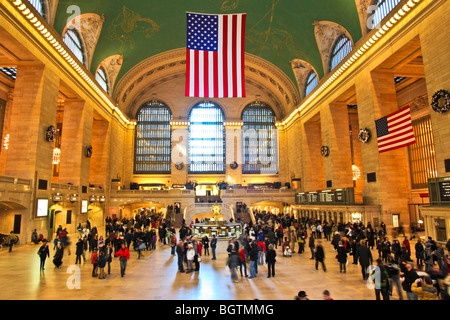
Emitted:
<point x="124" y="255"/>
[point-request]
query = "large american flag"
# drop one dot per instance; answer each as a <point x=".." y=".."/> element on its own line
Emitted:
<point x="215" y="55"/>
<point x="395" y="130"/>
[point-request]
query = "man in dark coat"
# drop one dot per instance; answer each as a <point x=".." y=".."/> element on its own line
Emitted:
<point x="311" y="246"/>
<point x="409" y="276"/>
<point x="180" y="255"/>
<point x="364" y="255"/>
<point x="213" y="247"/>
<point x="320" y="256"/>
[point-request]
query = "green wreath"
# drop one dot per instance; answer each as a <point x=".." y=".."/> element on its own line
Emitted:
<point x="437" y="97"/>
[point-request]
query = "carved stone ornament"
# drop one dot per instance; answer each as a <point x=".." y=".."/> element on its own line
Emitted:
<point x="326" y="33"/>
<point x="89" y="26"/>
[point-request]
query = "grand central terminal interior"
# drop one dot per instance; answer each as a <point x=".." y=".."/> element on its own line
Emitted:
<point x="330" y="112"/>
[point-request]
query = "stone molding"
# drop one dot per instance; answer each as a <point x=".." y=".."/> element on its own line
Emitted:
<point x="171" y="65"/>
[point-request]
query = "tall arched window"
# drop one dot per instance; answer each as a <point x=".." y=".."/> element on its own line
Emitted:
<point x="73" y="41"/>
<point x="100" y="76"/>
<point x="206" y="139"/>
<point x="311" y="83"/>
<point x="384" y="7"/>
<point x="259" y="140"/>
<point x="341" y="49"/>
<point x="39" y="6"/>
<point x="153" y="144"/>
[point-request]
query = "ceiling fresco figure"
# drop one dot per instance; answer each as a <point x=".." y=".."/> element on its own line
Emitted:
<point x="127" y="24"/>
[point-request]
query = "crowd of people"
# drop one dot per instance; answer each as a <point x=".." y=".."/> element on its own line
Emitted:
<point x="394" y="266"/>
<point x="388" y="264"/>
<point x="139" y="234"/>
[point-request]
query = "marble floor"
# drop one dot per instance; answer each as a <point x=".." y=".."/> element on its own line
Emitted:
<point x="155" y="277"/>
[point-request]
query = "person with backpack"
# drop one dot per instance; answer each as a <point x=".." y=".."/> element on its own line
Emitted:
<point x="428" y="258"/>
<point x="11" y="240"/>
<point x="393" y="269"/>
<point x="386" y="245"/>
<point x="43" y="253"/>
<point x="101" y="264"/>
<point x="380" y="276"/>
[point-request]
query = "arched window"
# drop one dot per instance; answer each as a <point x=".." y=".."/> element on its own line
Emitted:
<point x="101" y="79"/>
<point x="153" y="144"/>
<point x="384" y="7"/>
<point x="206" y="139"/>
<point x="341" y="49"/>
<point x="73" y="41"/>
<point x="311" y="83"/>
<point x="259" y="140"/>
<point x="39" y="6"/>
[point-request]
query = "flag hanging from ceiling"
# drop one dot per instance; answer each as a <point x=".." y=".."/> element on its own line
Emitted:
<point x="395" y="130"/>
<point x="215" y="55"/>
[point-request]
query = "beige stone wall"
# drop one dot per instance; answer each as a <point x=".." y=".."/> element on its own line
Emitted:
<point x="435" y="49"/>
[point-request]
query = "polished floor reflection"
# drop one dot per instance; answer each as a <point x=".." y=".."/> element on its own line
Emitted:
<point x="155" y="277"/>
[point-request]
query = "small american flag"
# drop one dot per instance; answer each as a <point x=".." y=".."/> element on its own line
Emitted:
<point x="215" y="55"/>
<point x="395" y="130"/>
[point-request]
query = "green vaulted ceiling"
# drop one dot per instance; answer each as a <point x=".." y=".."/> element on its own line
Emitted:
<point x="277" y="30"/>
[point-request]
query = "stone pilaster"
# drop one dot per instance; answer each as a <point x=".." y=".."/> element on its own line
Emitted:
<point x="33" y="111"/>
<point x="313" y="174"/>
<point x="376" y="96"/>
<point x="99" y="162"/>
<point x="76" y="135"/>
<point x="335" y="132"/>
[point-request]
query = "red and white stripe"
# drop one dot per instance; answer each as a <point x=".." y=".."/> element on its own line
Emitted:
<point x="219" y="74"/>
<point x="401" y="132"/>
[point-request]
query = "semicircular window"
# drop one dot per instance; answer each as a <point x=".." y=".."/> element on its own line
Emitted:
<point x="206" y="139"/>
<point x="153" y="143"/>
<point x="100" y="76"/>
<point x="39" y="6"/>
<point x="383" y="9"/>
<point x="311" y="83"/>
<point x="341" y="49"/>
<point x="259" y="140"/>
<point x="73" y="41"/>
